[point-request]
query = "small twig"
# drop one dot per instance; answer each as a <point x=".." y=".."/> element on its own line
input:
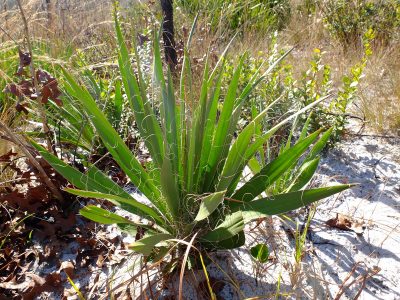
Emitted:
<point x="360" y="278"/>
<point x="258" y="223"/>
<point x="3" y="183"/>
<point x="42" y="112"/>
<point x="185" y="257"/>
<point x="346" y="115"/>
<point x="17" y="141"/>
<point x="9" y="36"/>
<point x="233" y="200"/>
<point x="376" y="135"/>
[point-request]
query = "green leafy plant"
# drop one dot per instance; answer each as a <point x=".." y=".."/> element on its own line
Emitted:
<point x="297" y="176"/>
<point x="194" y="183"/>
<point x="240" y="15"/>
<point x="348" y="20"/>
<point x="279" y="84"/>
<point x="317" y="83"/>
<point x="260" y="252"/>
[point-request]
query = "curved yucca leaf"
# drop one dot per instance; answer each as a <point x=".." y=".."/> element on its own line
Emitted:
<point x="146" y="244"/>
<point x="279" y="204"/>
<point x="304" y="175"/>
<point x="96" y="184"/>
<point x="229" y="228"/>
<point x="100" y="215"/>
<point x="208" y="204"/>
<point x="145" y="119"/>
<point x="77" y="178"/>
<point x="103" y="216"/>
<point x="115" y="145"/>
<point x="129" y="204"/>
<point x="274" y="170"/>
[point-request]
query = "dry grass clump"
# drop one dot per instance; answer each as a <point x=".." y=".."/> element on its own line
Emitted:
<point x="57" y="19"/>
<point x="63" y="24"/>
<point x="86" y="25"/>
<point x="379" y="94"/>
<point x="380" y="91"/>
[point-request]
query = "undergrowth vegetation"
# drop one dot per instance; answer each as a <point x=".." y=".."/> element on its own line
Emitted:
<point x="347" y="21"/>
<point x="197" y="163"/>
<point x="184" y="159"/>
<point x="252" y="15"/>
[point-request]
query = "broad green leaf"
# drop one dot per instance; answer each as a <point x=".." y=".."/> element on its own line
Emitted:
<point x="319" y="145"/>
<point x="170" y="188"/>
<point x="233" y="242"/>
<point x="304" y="175"/>
<point x="282" y="203"/>
<point x="146" y="244"/>
<point x="260" y="252"/>
<point x="114" y="143"/>
<point x="254" y="165"/>
<point x="102" y="216"/>
<point x="230" y="227"/>
<point x="129" y="204"/>
<point x="209" y="204"/>
<point x="272" y="171"/>
<point x="145" y="118"/>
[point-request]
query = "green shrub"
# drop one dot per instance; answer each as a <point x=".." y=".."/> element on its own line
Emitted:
<point x="279" y="84"/>
<point x="251" y="15"/>
<point x="347" y="21"/>
<point x="317" y="83"/>
<point x="192" y="182"/>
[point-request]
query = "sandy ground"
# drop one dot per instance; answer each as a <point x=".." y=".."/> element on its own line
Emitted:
<point x="336" y="264"/>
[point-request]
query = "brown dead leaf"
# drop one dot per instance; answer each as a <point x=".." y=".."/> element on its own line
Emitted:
<point x="100" y="261"/>
<point x="54" y="279"/>
<point x="24" y="60"/>
<point x="345" y="223"/>
<point x="8" y="156"/>
<point x="50" y="88"/>
<point x="22" y="107"/>
<point x="69" y="268"/>
<point x="38" y="285"/>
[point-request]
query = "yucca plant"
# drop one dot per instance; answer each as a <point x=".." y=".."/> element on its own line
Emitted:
<point x="194" y="183"/>
<point x="71" y="122"/>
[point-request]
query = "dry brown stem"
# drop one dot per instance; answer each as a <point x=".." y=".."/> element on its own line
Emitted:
<point x="21" y="144"/>
<point x="42" y="112"/>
